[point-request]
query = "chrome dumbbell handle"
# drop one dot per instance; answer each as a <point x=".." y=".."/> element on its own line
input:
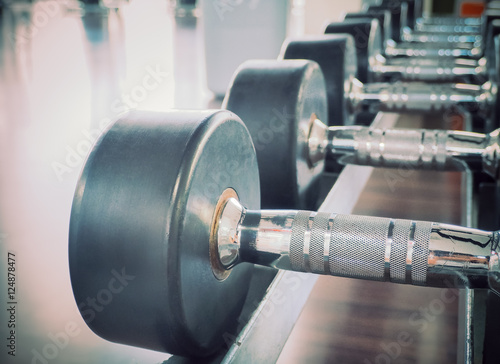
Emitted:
<point x="405" y="148"/>
<point x="459" y="28"/>
<point x="416" y="96"/>
<point x="432" y="50"/>
<point x="383" y="249"/>
<point x="436" y="37"/>
<point x="413" y="148"/>
<point x="433" y="69"/>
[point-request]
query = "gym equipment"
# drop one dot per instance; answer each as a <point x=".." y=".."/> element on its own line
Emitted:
<point x="278" y="99"/>
<point x="409" y="25"/>
<point x="335" y="53"/>
<point x="431" y="44"/>
<point x="170" y="201"/>
<point x="373" y="65"/>
<point x="302" y="143"/>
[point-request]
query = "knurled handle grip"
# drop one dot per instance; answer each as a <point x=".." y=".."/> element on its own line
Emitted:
<point x="419" y="148"/>
<point x="360" y="247"/>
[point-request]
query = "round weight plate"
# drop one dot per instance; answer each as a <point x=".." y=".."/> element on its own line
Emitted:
<point x="488" y="16"/>
<point x="140" y="227"/>
<point x="395" y="10"/>
<point x="336" y="56"/>
<point x="276" y="100"/>
<point x="384" y="21"/>
<point x="368" y="41"/>
<point x="492" y="58"/>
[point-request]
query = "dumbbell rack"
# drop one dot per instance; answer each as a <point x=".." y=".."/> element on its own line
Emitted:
<point x="267" y="329"/>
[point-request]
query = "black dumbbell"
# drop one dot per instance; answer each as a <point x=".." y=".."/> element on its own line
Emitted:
<point x="451" y="23"/>
<point x="373" y="65"/>
<point x="389" y="38"/>
<point x="167" y="206"/>
<point x="281" y="103"/>
<point x="336" y="54"/>
<point x="436" y="45"/>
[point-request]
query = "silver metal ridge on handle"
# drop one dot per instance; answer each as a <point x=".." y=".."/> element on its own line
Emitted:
<point x="412" y="148"/>
<point x="372" y="248"/>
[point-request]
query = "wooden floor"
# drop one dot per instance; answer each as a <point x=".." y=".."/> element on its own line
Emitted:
<point x="352" y="321"/>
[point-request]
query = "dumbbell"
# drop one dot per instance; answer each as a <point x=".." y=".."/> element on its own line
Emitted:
<point x="347" y="95"/>
<point x="369" y="46"/>
<point x="402" y="32"/>
<point x="282" y="103"/>
<point x="391" y="37"/>
<point x="410" y="24"/>
<point x="451" y="23"/>
<point x="434" y="47"/>
<point x="368" y="33"/>
<point x="166" y="221"/>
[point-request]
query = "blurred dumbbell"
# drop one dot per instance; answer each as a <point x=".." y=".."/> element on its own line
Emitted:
<point x="281" y="103"/>
<point x="168" y="206"/>
<point x="336" y="56"/>
<point x="374" y="65"/>
<point x="358" y="27"/>
<point x="391" y="37"/>
<point x="401" y="29"/>
<point x="452" y="23"/>
<point x="433" y="44"/>
<point x="409" y="25"/>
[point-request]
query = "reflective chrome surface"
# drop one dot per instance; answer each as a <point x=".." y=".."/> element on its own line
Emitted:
<point x="440" y="37"/>
<point x="427" y="50"/>
<point x="415" y="148"/>
<point x="400" y="251"/>
<point x="432" y="69"/>
<point x="403" y="96"/>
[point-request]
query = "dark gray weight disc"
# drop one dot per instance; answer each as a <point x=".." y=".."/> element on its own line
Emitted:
<point x="384" y="21"/>
<point x="368" y="42"/>
<point x="336" y="56"/>
<point x="490" y="52"/>
<point x="142" y="211"/>
<point x="276" y="100"/>
<point x="396" y="14"/>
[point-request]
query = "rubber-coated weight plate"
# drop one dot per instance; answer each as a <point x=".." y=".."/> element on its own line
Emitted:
<point x="336" y="56"/>
<point x="492" y="57"/>
<point x="368" y="41"/>
<point x="384" y="21"/>
<point x="395" y="10"/>
<point x="276" y="100"/>
<point x="495" y="79"/>
<point x="139" y="231"/>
